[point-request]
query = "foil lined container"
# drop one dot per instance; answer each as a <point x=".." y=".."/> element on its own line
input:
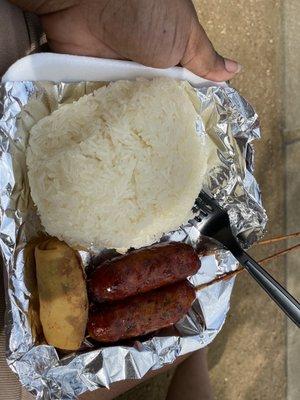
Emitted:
<point x="232" y="124"/>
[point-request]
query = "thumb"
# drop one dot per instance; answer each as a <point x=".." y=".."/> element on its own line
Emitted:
<point x="201" y="58"/>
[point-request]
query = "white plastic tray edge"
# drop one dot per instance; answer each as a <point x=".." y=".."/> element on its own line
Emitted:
<point x="69" y="68"/>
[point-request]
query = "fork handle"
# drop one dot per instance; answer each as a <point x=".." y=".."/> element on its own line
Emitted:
<point x="284" y="299"/>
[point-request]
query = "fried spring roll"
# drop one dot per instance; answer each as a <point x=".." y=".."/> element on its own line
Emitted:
<point x="62" y="294"/>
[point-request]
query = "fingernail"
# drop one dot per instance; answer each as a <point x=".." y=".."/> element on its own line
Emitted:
<point x="232" y="66"/>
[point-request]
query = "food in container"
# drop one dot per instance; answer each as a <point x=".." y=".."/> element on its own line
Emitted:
<point x="225" y="117"/>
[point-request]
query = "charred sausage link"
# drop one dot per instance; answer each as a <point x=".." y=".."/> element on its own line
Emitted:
<point x="141" y="314"/>
<point x="142" y="271"/>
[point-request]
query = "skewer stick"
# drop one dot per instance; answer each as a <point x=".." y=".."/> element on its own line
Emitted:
<point x="279" y="253"/>
<point x="228" y="275"/>
<point x="278" y="238"/>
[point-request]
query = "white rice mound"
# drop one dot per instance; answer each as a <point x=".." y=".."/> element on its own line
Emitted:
<point x="119" y="167"/>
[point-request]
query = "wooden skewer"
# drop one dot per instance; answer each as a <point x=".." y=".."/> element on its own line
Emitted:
<point x="223" y="277"/>
<point x="228" y="275"/>
<point x="278" y="238"/>
<point x="279" y="253"/>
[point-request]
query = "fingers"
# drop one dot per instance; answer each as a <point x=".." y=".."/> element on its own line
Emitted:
<point x="201" y="58"/>
<point x="67" y="33"/>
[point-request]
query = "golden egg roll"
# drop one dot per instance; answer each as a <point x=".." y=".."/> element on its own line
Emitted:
<point x="62" y="294"/>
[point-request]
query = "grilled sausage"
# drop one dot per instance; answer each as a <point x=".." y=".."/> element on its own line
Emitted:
<point x="141" y="314"/>
<point x="143" y="270"/>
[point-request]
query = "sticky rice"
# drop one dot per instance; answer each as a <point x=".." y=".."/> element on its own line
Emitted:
<point x="121" y="166"/>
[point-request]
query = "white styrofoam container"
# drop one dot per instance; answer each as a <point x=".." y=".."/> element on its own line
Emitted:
<point x="69" y="68"/>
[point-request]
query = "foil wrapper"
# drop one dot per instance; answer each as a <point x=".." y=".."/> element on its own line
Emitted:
<point x="232" y="124"/>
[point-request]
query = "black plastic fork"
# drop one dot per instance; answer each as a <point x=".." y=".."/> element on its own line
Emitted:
<point x="214" y="223"/>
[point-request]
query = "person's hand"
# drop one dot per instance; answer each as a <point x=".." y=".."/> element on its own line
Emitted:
<point x="156" y="33"/>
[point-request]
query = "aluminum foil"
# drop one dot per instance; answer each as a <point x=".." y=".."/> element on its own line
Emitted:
<point x="232" y="124"/>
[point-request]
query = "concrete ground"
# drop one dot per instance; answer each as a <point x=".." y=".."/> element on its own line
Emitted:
<point x="256" y="356"/>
